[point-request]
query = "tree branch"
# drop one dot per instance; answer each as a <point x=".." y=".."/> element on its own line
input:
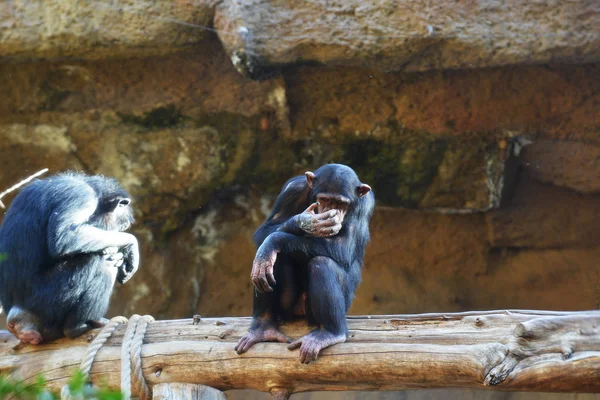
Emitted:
<point x="18" y="185"/>
<point x="502" y="350"/>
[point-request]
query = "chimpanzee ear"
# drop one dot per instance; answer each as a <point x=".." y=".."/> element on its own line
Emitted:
<point x="363" y="189"/>
<point x="310" y="178"/>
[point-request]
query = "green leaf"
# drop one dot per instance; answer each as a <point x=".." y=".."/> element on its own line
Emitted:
<point x="78" y="386"/>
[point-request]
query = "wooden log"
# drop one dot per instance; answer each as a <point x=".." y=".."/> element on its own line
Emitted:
<point x="185" y="391"/>
<point x="506" y="350"/>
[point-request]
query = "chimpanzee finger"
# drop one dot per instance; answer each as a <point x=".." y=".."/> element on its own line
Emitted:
<point x="315" y="353"/>
<point x="271" y="277"/>
<point x="328" y="231"/>
<point x="325" y="223"/>
<point x="328" y="215"/>
<point x="311" y="208"/>
<point x="256" y="283"/>
<point x="240" y="342"/>
<point x="123" y="276"/>
<point x="110" y="250"/>
<point x="306" y="354"/>
<point x="268" y="287"/>
<point x="240" y="346"/>
<point x="115" y="257"/>
<point x="303" y="355"/>
<point x="263" y="281"/>
<point x="295" y="344"/>
<point x="247" y="344"/>
<point x="254" y="276"/>
<point x="334" y="230"/>
<point x="264" y="285"/>
<point x="282" y="338"/>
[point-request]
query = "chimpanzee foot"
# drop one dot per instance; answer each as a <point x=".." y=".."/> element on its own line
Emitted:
<point x="259" y="335"/>
<point x="24" y="326"/>
<point x="77" y="331"/>
<point x="25" y="334"/>
<point x="101" y="323"/>
<point x="312" y="344"/>
<point x="300" y="308"/>
<point x="30" y="337"/>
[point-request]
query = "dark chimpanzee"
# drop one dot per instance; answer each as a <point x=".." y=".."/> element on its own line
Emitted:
<point x="63" y="247"/>
<point x="309" y="264"/>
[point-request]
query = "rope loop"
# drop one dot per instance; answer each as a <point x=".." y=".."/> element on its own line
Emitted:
<point x="125" y="357"/>
<point x="143" y="390"/>
<point x="131" y="357"/>
<point x="93" y="349"/>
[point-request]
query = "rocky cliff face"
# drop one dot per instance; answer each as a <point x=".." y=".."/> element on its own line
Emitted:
<point x="487" y="180"/>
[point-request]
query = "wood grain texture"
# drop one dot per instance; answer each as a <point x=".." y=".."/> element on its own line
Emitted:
<point x="187" y="391"/>
<point x="521" y="350"/>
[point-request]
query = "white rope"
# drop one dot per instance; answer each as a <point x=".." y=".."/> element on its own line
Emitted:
<point x="125" y="357"/>
<point x="131" y="357"/>
<point x="93" y="349"/>
<point x="143" y="390"/>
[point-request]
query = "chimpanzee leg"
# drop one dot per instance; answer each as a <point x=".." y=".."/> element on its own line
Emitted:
<point x="73" y="329"/>
<point x="270" y="307"/>
<point x="326" y="307"/>
<point x="74" y="326"/>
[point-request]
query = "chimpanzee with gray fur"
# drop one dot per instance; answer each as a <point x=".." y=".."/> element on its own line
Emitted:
<point x="309" y="264"/>
<point x="63" y="246"/>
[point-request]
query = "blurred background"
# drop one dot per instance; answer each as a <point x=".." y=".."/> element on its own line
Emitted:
<point x="478" y="128"/>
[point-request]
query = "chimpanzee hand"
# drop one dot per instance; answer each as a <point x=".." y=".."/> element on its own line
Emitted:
<point x="262" y="270"/>
<point x="113" y="257"/>
<point x="131" y="262"/>
<point x="319" y="225"/>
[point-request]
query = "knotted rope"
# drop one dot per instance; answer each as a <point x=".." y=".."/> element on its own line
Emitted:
<point x="131" y="356"/>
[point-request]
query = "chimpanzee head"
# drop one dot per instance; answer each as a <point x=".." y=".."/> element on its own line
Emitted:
<point x="114" y="212"/>
<point x="336" y="186"/>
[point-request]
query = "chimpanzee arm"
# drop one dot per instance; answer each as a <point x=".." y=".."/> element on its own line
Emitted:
<point x="308" y="222"/>
<point x="262" y="269"/>
<point x="292" y="200"/>
<point x="284" y="242"/>
<point x="69" y="233"/>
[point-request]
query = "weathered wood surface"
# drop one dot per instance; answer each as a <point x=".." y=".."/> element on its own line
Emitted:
<point x="505" y="350"/>
<point x="187" y="391"/>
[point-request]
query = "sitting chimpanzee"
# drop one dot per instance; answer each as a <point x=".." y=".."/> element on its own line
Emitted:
<point x="63" y="246"/>
<point x="309" y="264"/>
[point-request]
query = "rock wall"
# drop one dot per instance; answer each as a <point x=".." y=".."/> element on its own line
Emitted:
<point x="204" y="151"/>
<point x="487" y="180"/>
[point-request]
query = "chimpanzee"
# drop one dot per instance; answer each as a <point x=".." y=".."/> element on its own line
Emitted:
<point x="309" y="264"/>
<point x="63" y="247"/>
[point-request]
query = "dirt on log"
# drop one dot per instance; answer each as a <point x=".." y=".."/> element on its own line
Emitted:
<point x="542" y="351"/>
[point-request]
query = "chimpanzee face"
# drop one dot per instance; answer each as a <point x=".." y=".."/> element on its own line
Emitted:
<point x="333" y="201"/>
<point x="122" y="213"/>
<point x="114" y="213"/>
<point x="336" y="187"/>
